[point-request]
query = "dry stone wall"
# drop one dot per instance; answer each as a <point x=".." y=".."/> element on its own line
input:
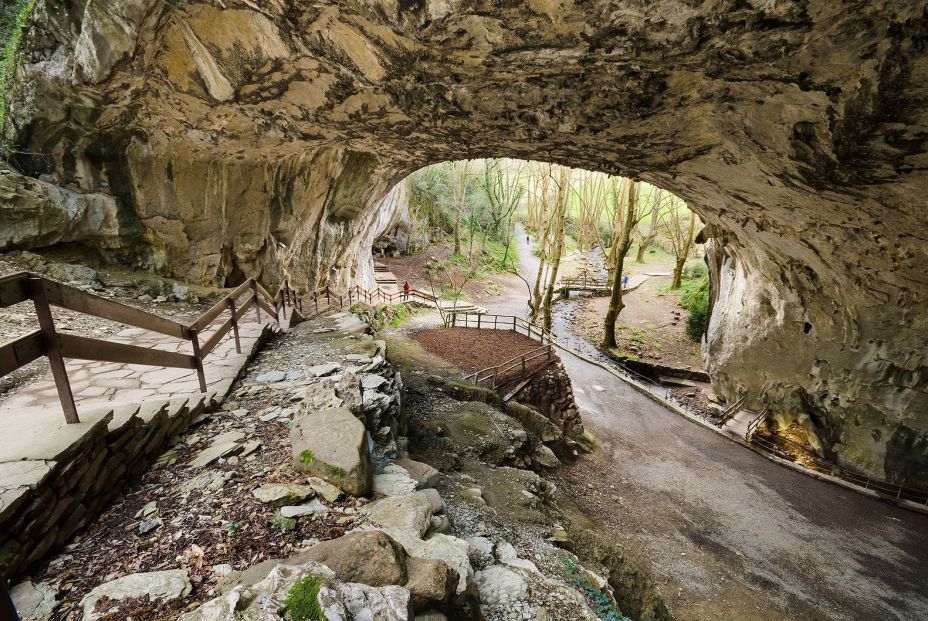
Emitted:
<point x="261" y="141"/>
<point x="44" y="503"/>
<point x="550" y="393"/>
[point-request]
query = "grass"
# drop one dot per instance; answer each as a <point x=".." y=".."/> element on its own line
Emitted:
<point x="13" y="19"/>
<point x="302" y="602"/>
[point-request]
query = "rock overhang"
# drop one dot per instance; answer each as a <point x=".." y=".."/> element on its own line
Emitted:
<point x="262" y="140"/>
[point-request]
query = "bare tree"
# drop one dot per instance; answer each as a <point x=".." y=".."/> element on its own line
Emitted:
<point x="504" y="190"/>
<point x="681" y="236"/>
<point x="560" y="213"/>
<point x="625" y="222"/>
<point x="460" y="175"/>
<point x="646" y="239"/>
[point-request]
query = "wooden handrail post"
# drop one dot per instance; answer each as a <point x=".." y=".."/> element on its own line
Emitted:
<point x="327" y="295"/>
<point x="254" y="290"/>
<point x="53" y="351"/>
<point x="316" y="300"/>
<point x="513" y="323"/>
<point x="478" y="320"/>
<point x="238" y="344"/>
<point x="197" y="358"/>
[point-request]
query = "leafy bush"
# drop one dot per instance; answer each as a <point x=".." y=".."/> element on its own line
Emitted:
<point x="694" y="270"/>
<point x="301" y="600"/>
<point x="695" y="299"/>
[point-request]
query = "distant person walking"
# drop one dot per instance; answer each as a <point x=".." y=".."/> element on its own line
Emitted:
<point x="406" y="290"/>
<point x="625" y="281"/>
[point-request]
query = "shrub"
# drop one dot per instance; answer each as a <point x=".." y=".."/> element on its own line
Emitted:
<point x="695" y="270"/>
<point x="302" y="602"/>
<point x="695" y="299"/>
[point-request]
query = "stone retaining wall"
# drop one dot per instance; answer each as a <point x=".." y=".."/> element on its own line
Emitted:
<point x="551" y="393"/>
<point x="44" y="502"/>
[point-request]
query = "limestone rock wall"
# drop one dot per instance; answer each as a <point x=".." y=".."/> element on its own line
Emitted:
<point x="259" y="139"/>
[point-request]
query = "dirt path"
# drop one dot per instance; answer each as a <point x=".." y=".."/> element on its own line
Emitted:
<point x="726" y="533"/>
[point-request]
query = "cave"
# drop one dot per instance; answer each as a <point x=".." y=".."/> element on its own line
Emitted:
<point x="223" y="140"/>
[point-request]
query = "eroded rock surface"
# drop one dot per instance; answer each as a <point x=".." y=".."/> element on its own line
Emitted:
<point x="265" y="140"/>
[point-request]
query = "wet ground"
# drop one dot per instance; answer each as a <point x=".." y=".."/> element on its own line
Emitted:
<point x="725" y="532"/>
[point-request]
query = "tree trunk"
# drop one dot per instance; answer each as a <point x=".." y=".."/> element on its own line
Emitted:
<point x="457" y="233"/>
<point x="560" y="214"/>
<point x="681" y="260"/>
<point x="642" y="247"/>
<point x="621" y="250"/>
<point x="677" y="280"/>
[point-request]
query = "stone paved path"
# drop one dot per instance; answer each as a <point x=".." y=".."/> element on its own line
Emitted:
<point x="35" y="408"/>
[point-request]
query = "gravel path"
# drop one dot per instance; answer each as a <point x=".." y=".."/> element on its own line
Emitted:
<point x="726" y="533"/>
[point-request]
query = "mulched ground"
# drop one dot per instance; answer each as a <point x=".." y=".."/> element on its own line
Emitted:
<point x="473" y="349"/>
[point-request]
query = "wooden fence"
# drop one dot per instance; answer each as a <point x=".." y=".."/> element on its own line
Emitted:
<point x="47" y="341"/>
<point x="886" y="489"/>
<point x="502" y="373"/>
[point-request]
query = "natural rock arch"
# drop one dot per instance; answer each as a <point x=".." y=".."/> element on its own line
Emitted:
<point x="260" y="139"/>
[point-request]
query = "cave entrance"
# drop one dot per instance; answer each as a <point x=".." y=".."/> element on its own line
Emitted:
<point x="545" y="242"/>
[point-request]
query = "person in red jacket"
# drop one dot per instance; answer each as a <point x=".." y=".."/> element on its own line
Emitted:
<point x="406" y="290"/>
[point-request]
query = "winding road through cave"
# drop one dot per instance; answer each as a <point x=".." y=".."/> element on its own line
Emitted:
<point x="726" y="533"/>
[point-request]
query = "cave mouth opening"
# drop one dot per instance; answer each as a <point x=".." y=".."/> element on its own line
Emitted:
<point x="492" y="228"/>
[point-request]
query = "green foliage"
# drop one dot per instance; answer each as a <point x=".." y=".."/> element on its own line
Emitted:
<point x="600" y="602"/>
<point x="13" y="17"/>
<point x="302" y="603"/>
<point x="307" y="457"/>
<point x="696" y="269"/>
<point x="401" y="313"/>
<point x="695" y="299"/>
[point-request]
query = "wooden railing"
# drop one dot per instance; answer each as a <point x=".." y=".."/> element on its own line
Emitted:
<point x="755" y="423"/>
<point x="886" y="489"/>
<point x="523" y="363"/>
<point x="584" y="282"/>
<point x="47" y="341"/>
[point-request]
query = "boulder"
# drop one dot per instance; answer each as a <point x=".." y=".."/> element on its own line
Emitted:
<point x="157" y="585"/>
<point x="438" y="503"/>
<point x="331" y="444"/>
<point x="451" y="550"/>
<point x="370" y="557"/>
<point x="499" y="585"/>
<point x="430" y="582"/>
<point x="425" y="475"/>
<point x="393" y="484"/>
<point x="410" y="511"/>
<point x="480" y="552"/>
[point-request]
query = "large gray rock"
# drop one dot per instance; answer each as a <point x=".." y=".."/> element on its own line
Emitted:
<point x="370" y="557"/>
<point x="500" y="585"/>
<point x="412" y="511"/>
<point x="332" y="444"/>
<point x="424" y="474"/>
<point x="280" y="494"/>
<point x="157" y="585"/>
